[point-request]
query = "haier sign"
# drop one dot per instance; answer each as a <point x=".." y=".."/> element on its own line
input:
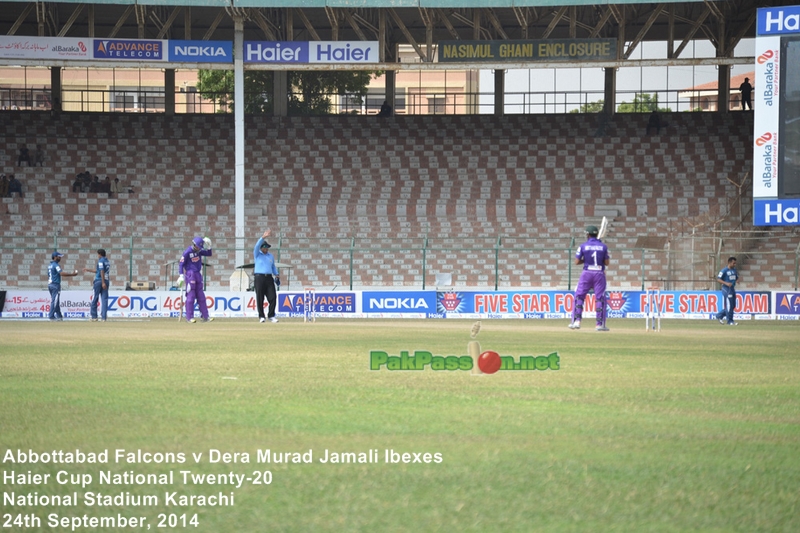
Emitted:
<point x="329" y="52"/>
<point x="774" y="212"/>
<point x="201" y="51"/>
<point x="778" y="20"/>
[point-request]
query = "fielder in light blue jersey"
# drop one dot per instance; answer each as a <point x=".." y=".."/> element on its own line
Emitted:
<point x="54" y="274"/>
<point x="728" y="277"/>
<point x="100" y="286"/>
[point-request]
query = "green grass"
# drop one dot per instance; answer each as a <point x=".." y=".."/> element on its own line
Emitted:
<point x="695" y="428"/>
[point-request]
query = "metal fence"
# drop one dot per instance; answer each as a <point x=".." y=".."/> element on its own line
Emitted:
<point x="493" y="263"/>
<point x="425" y="101"/>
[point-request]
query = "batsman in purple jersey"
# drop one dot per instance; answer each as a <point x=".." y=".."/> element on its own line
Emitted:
<point x="191" y="269"/>
<point x="593" y="255"/>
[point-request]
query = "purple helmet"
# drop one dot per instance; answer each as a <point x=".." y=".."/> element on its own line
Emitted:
<point x="198" y="241"/>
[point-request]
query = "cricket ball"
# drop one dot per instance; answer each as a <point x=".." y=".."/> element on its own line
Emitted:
<point x="489" y="362"/>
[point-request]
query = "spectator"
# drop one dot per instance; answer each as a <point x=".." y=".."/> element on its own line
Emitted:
<point x="38" y="156"/>
<point x="94" y="186"/>
<point x="106" y="185"/>
<point x="747" y="92"/>
<point x="386" y="110"/>
<point x="24" y="156"/>
<point x="14" y="186"/>
<point x="654" y="122"/>
<point x="77" y="185"/>
<point x="3" y="186"/>
<point x="115" y="186"/>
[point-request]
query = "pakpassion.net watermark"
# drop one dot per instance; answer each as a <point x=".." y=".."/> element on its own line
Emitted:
<point x="477" y="361"/>
<point x="488" y="362"/>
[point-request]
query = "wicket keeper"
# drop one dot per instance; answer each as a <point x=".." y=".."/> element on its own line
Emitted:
<point x="191" y="273"/>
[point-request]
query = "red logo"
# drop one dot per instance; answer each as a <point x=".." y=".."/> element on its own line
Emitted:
<point x="766" y="56"/>
<point x="616" y="300"/>
<point x="450" y="301"/>
<point x="764" y="139"/>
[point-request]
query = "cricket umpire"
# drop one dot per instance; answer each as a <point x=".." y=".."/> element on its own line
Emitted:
<point x="267" y="278"/>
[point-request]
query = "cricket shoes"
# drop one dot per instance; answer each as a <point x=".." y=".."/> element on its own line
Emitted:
<point x="274" y="320"/>
<point x="575" y="325"/>
<point x="262" y="319"/>
<point x="192" y="320"/>
<point x="209" y="319"/>
<point x="733" y="324"/>
<point x="601" y="328"/>
<point x="722" y="321"/>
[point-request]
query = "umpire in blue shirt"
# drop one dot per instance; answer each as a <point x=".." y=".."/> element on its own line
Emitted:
<point x="267" y="278"/>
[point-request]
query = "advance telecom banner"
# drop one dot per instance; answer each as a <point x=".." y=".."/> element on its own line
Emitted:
<point x="410" y="304"/>
<point x="776" y="87"/>
<point x="64" y="48"/>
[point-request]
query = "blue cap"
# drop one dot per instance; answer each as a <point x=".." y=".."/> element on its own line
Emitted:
<point x="57" y="254"/>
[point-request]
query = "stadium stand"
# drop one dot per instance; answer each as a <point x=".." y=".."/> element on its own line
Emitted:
<point x="396" y="201"/>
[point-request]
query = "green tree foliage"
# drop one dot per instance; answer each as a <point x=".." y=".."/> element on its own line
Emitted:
<point x="642" y="103"/>
<point x="590" y="107"/>
<point x="309" y="91"/>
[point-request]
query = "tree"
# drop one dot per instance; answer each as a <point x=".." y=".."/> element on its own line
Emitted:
<point x="590" y="107"/>
<point x="309" y="91"/>
<point x="642" y="103"/>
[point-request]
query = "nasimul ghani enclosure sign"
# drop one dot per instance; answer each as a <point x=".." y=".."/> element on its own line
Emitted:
<point x="549" y="50"/>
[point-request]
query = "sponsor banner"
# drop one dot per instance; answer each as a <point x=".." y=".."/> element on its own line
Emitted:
<point x="531" y="51"/>
<point x="778" y="20"/>
<point x="327" y="304"/>
<point x="421" y="303"/>
<point x="311" y="52"/>
<point x="130" y="49"/>
<point x="774" y="212"/>
<point x="201" y="51"/>
<point x="767" y="117"/>
<point x="787" y="304"/>
<point x="532" y="305"/>
<point x="620" y="304"/>
<point x="20" y="47"/>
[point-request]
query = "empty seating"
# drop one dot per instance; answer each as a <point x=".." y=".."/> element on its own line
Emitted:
<point x="492" y="200"/>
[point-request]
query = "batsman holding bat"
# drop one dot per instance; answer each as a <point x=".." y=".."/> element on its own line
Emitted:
<point x="594" y="256"/>
<point x="191" y="273"/>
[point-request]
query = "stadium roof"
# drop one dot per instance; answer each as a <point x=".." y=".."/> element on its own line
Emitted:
<point x="415" y="22"/>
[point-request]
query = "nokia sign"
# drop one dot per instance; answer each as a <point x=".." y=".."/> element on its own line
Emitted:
<point x="399" y="302"/>
<point x="201" y="51"/>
